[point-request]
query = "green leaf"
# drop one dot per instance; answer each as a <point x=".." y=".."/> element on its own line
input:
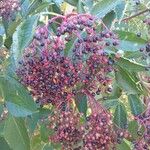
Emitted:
<point x="72" y="2"/>
<point x="129" y="46"/>
<point x="12" y="27"/>
<point x="109" y="18"/>
<point x="80" y="7"/>
<point x="2" y="125"/>
<point x="38" y="6"/>
<point x="11" y="68"/>
<point x="52" y="146"/>
<point x="33" y="8"/>
<point x="2" y="30"/>
<point x="110" y="103"/>
<point x="116" y="92"/>
<point x="123" y="146"/>
<point x="5" y="25"/>
<point x="17" y="111"/>
<point x="81" y="103"/>
<point x="44" y="112"/>
<point x="22" y="1"/>
<point x="23" y="36"/>
<point x="135" y="104"/>
<point x="58" y="2"/>
<point x="8" y="42"/>
<point x="69" y="47"/>
<point x="48" y="147"/>
<point x="129" y="41"/>
<point x="120" y="10"/>
<point x="36" y="143"/>
<point x="128" y="36"/>
<point x="120" y="116"/>
<point x="132" y="54"/>
<point x="103" y="7"/>
<point x="1" y="40"/>
<point x="45" y="132"/>
<point x="133" y="129"/>
<point x="1" y="108"/>
<point x="24" y="7"/>
<point x="130" y="65"/>
<point x="124" y="81"/>
<point x="3" y="144"/>
<point x="16" y="135"/>
<point x="41" y="7"/>
<point x="18" y="100"/>
<point x="32" y="120"/>
<point x="89" y="3"/>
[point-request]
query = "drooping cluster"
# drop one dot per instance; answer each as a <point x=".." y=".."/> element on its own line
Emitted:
<point x="52" y="71"/>
<point x="8" y="7"/>
<point x="67" y="128"/>
<point x="55" y="70"/>
<point x="99" y="132"/>
<point x="95" y="133"/>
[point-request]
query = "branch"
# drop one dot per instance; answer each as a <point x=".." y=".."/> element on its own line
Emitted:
<point x="133" y="16"/>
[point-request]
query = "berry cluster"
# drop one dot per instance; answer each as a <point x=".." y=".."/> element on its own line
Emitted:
<point x="98" y="68"/>
<point x="82" y="29"/>
<point x="54" y="75"/>
<point x="51" y="76"/>
<point x="7" y="7"/>
<point x="67" y="129"/>
<point x="146" y="50"/>
<point x="144" y="120"/>
<point x="50" y="79"/>
<point x="99" y="133"/>
<point x="96" y="133"/>
<point x="89" y="41"/>
<point x="140" y="145"/>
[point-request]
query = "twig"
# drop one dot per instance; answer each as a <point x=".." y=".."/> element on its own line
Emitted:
<point x="133" y="16"/>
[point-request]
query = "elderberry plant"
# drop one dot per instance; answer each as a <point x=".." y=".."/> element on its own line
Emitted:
<point x="77" y="78"/>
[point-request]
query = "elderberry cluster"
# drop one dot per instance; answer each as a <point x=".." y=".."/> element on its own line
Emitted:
<point x="54" y="75"/>
<point x="50" y="79"/>
<point x="99" y="134"/>
<point x="68" y="130"/>
<point x="51" y="76"/>
<point x="96" y="133"/>
<point x="7" y="7"/>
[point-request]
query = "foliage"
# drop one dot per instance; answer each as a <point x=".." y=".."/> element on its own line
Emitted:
<point x="25" y="119"/>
